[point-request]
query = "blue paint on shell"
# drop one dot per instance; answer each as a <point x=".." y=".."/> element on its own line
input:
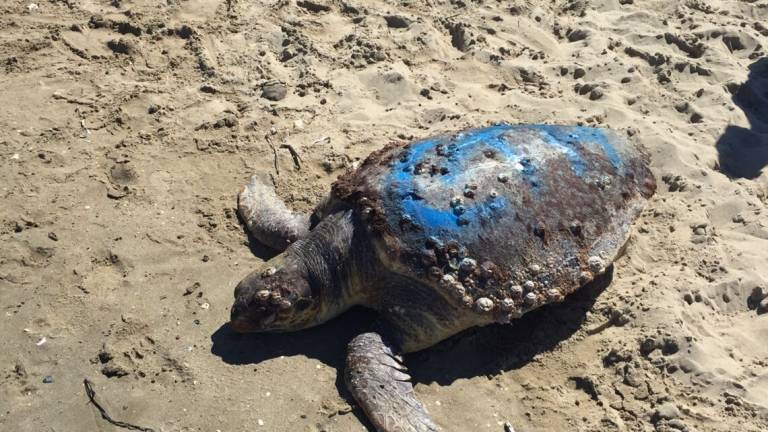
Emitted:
<point x="458" y="150"/>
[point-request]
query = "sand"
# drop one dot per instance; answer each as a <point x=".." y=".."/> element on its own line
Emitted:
<point x="128" y="126"/>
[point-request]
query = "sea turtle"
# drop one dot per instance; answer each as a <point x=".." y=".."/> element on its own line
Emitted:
<point x="440" y="235"/>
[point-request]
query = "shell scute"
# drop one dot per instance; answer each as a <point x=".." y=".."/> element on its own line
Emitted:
<point x="504" y="218"/>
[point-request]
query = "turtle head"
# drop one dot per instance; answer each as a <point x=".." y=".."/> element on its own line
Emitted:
<point x="275" y="298"/>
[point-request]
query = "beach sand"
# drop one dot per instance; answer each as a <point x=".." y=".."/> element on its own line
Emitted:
<point x="127" y="127"/>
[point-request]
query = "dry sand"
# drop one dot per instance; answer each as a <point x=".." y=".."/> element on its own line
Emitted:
<point x="127" y="127"/>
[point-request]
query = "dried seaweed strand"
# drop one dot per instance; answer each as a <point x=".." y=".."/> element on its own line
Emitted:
<point x="92" y="397"/>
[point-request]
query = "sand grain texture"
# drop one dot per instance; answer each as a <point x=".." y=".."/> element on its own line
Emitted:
<point x="128" y="126"/>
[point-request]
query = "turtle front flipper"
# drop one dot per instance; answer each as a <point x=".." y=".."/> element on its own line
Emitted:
<point x="268" y="218"/>
<point x="379" y="383"/>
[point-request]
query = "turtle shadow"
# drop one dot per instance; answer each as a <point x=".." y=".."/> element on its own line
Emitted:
<point x="326" y="343"/>
<point x="743" y="152"/>
<point x="491" y="350"/>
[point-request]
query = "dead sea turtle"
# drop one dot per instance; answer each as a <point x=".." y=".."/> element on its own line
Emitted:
<point x="440" y="235"/>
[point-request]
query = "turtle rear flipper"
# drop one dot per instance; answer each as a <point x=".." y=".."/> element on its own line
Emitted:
<point x="377" y="379"/>
<point x="267" y="217"/>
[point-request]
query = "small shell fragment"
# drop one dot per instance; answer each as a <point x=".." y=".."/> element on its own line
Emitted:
<point x="269" y="271"/>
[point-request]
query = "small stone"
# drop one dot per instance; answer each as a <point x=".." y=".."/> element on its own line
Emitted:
<point x="397" y="21"/>
<point x="596" y="94"/>
<point x="48" y="379"/>
<point x="456" y="201"/>
<point x="53" y="236"/>
<point x="696" y="118"/>
<point x="670" y="346"/>
<point x="626" y="80"/>
<point x="579" y="73"/>
<point x="113" y="371"/>
<point x="649" y="345"/>
<point x="688" y="297"/>
<point x="577" y="35"/>
<point x="503" y="178"/>
<point x="207" y="88"/>
<point x="274" y="91"/>
<point x="758" y="294"/>
<point x="121" y="46"/>
<point x="763" y="306"/>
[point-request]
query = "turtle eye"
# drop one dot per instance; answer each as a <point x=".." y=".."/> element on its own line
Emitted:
<point x="303" y="304"/>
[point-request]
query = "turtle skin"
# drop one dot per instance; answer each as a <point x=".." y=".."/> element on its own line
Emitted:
<point x="503" y="219"/>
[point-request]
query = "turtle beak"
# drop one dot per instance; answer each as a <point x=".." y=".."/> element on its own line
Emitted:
<point x="242" y="323"/>
<point x="238" y="319"/>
